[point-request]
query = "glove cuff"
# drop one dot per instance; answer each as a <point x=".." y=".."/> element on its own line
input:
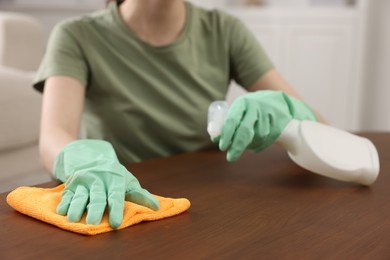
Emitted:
<point x="78" y="153"/>
<point x="298" y="109"/>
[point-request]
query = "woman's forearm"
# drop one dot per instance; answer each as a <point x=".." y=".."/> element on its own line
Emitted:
<point x="50" y="145"/>
<point x="63" y="101"/>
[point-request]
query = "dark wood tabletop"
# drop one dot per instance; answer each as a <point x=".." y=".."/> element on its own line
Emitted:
<point x="261" y="207"/>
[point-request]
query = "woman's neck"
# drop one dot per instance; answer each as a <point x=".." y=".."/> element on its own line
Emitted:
<point x="158" y="22"/>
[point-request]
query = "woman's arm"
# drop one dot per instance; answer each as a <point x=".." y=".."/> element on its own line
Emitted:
<point x="272" y="80"/>
<point x="63" y="101"/>
<point x="89" y="168"/>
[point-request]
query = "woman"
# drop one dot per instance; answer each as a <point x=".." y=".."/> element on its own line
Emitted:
<point x="144" y="72"/>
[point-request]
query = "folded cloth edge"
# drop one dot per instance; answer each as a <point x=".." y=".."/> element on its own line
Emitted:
<point x="40" y="203"/>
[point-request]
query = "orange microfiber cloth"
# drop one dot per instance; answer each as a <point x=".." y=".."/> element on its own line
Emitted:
<point x="41" y="203"/>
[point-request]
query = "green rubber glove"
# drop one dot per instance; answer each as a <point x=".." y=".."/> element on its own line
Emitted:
<point x="256" y="120"/>
<point x="94" y="178"/>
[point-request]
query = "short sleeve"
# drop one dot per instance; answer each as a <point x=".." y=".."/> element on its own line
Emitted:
<point x="248" y="60"/>
<point x="64" y="56"/>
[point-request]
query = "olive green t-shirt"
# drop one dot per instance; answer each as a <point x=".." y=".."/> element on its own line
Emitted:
<point x="151" y="101"/>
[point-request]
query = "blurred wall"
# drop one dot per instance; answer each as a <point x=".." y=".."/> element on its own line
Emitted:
<point x="376" y="96"/>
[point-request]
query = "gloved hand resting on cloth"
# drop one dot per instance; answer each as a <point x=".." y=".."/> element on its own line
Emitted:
<point x="256" y="120"/>
<point x="93" y="178"/>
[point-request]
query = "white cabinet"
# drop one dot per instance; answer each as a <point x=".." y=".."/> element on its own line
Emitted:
<point x="320" y="53"/>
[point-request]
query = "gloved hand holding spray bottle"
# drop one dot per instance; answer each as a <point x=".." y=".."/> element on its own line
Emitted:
<point x="257" y="120"/>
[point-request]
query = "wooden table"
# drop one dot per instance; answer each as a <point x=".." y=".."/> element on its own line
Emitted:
<point x="261" y="207"/>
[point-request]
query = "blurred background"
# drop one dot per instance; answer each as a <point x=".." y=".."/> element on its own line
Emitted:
<point x="336" y="53"/>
